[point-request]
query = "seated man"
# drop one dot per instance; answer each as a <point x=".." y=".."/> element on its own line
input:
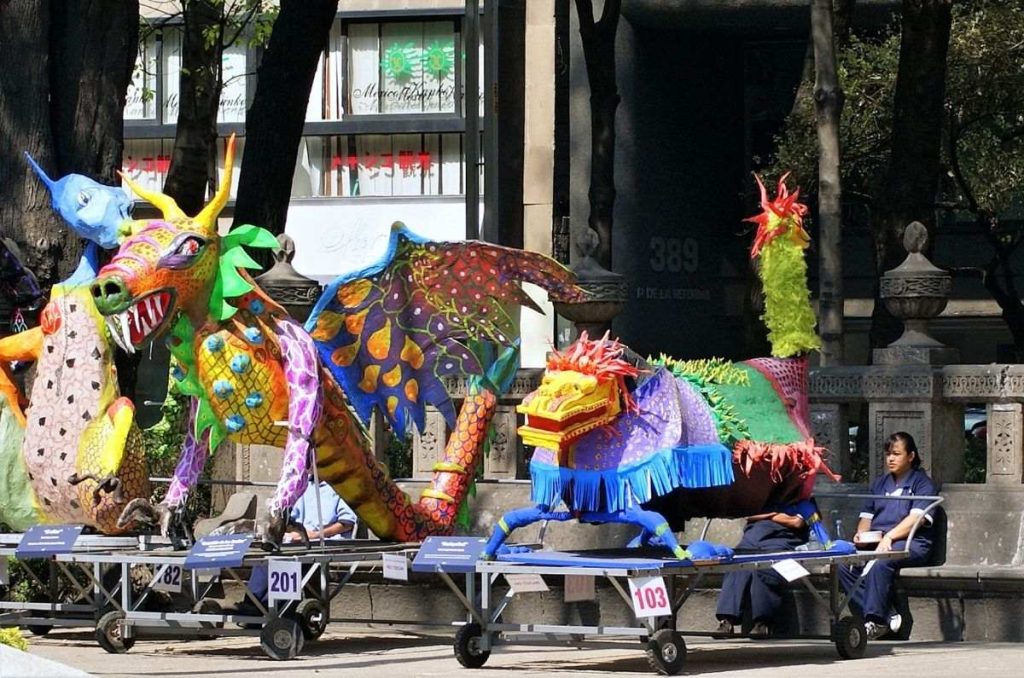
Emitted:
<point x="339" y="522"/>
<point x="768" y="532"/>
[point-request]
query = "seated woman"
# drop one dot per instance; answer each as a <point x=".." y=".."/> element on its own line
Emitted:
<point x="894" y="519"/>
<point x="339" y="521"/>
<point x="769" y="532"/>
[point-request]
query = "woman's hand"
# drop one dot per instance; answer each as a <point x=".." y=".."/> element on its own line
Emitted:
<point x="885" y="545"/>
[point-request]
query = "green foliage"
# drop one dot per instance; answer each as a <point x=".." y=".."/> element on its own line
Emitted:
<point x="984" y="104"/>
<point x="164" y="439"/>
<point x="399" y="456"/>
<point x="975" y="459"/>
<point x="13" y="638"/>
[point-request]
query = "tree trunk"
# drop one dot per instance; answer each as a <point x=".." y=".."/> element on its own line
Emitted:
<point x="911" y="182"/>
<point x="63" y="77"/>
<point x="828" y="104"/>
<point x="25" y="214"/>
<point x="599" y="54"/>
<point x="195" y="142"/>
<point x="274" y="123"/>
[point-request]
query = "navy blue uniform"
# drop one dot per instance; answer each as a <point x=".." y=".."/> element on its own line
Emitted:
<point x="873" y="595"/>
<point x="766" y="585"/>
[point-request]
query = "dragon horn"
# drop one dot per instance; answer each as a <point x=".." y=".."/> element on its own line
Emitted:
<point x="208" y="217"/>
<point x="164" y="203"/>
<point x="39" y="172"/>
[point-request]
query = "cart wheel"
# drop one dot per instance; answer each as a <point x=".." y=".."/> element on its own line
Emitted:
<point x="666" y="652"/>
<point x="467" y="646"/>
<point x="109" y="633"/>
<point x="312" y="618"/>
<point x="281" y="638"/>
<point x="38" y="630"/>
<point x="851" y="637"/>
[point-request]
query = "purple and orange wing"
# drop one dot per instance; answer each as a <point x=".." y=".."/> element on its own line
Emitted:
<point x="393" y="332"/>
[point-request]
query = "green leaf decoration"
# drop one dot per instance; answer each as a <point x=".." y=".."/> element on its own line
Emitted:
<point x="400" y="61"/>
<point x="182" y="336"/>
<point x="705" y="375"/>
<point x="229" y="283"/>
<point x="439" y="59"/>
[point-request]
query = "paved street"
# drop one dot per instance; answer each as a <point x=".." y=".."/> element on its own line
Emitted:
<point x="384" y="652"/>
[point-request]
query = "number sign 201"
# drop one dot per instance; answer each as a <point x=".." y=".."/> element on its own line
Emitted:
<point x="650" y="597"/>
<point x="285" y="580"/>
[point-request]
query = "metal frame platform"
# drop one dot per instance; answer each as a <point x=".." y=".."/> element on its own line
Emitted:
<point x="282" y="626"/>
<point x="662" y="639"/>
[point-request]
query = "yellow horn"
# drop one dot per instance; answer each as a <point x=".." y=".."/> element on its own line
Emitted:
<point x="164" y="203"/>
<point x="208" y="217"/>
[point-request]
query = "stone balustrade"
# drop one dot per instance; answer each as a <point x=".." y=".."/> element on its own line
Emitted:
<point x="927" y="401"/>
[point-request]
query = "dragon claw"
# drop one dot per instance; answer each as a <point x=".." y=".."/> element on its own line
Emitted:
<point x="145" y="513"/>
<point x="270" y="529"/>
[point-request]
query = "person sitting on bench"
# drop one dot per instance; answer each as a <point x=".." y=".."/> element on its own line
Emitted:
<point x="773" y="531"/>
<point x="894" y="519"/>
<point x="339" y="522"/>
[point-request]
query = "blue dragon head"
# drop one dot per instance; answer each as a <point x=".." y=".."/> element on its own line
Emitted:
<point x="93" y="211"/>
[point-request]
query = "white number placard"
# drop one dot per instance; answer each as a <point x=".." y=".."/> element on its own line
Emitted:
<point x="5" y="577"/>
<point x="525" y="583"/>
<point x="396" y="566"/>
<point x="168" y="578"/>
<point x="650" y="597"/>
<point x="285" y="580"/>
<point x="579" y="587"/>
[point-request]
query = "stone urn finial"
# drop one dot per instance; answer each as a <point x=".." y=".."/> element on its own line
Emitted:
<point x="915" y="292"/>
<point x="296" y="292"/>
<point x="607" y="291"/>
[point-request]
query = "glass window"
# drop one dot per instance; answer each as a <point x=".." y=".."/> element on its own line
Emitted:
<point x="141" y="100"/>
<point x="146" y="161"/>
<point x="233" y="92"/>
<point x="376" y="165"/>
<point x="400" y="67"/>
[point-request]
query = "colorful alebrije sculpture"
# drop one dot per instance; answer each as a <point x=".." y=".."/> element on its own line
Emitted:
<point x="82" y="458"/>
<point x="656" y="443"/>
<point x="383" y="337"/>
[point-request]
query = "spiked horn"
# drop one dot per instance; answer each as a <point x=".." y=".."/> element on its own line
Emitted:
<point x="208" y="217"/>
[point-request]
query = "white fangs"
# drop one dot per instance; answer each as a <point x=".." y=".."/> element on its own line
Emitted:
<point x="115" y="332"/>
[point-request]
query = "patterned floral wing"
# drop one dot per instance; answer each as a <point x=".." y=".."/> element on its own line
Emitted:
<point x="391" y="333"/>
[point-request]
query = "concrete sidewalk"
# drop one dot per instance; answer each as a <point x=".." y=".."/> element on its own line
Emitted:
<point x="350" y="651"/>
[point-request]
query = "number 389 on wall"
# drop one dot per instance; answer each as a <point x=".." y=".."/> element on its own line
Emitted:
<point x="674" y="255"/>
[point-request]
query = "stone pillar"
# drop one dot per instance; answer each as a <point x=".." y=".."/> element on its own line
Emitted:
<point x="1005" y="425"/>
<point x="936" y="425"/>
<point x="830" y="430"/>
<point x="501" y="462"/>
<point x="904" y="388"/>
<point x="428" y="447"/>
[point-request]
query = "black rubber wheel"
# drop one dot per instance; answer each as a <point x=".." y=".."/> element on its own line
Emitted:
<point x="312" y="617"/>
<point x="851" y="637"/>
<point x="467" y="646"/>
<point x="38" y="630"/>
<point x="109" y="633"/>
<point x="666" y="652"/>
<point x="282" y="638"/>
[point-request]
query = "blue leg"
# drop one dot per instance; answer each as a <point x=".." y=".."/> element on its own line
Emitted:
<point x="519" y="518"/>
<point x="652" y="522"/>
